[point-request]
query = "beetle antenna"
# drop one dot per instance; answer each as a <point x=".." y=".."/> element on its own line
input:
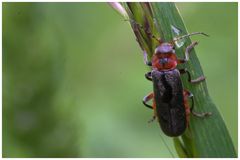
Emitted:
<point x="188" y="35"/>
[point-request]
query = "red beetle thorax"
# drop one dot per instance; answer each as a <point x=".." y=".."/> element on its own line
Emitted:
<point x="164" y="62"/>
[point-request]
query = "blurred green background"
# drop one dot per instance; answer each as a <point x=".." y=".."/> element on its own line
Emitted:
<point x="73" y="79"/>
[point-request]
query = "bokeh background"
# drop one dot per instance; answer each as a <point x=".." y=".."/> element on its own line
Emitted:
<point x="73" y="79"/>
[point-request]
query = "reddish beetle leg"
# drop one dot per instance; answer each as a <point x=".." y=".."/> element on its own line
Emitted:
<point x="186" y="58"/>
<point x="190" y="80"/>
<point x="187" y="52"/>
<point x="187" y="95"/>
<point x="147" y="98"/>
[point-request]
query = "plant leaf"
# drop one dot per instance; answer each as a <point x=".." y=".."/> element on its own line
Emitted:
<point x="206" y="137"/>
<point x="181" y="150"/>
<point x="209" y="136"/>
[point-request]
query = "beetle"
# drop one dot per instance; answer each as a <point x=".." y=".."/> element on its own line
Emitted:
<point x="170" y="99"/>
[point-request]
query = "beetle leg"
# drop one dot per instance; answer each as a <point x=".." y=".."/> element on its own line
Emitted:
<point x="146" y="99"/>
<point x="149" y="63"/>
<point x="201" y="115"/>
<point x="155" y="114"/>
<point x="152" y="119"/>
<point x="197" y="80"/>
<point x="148" y="76"/>
<point x="187" y="52"/>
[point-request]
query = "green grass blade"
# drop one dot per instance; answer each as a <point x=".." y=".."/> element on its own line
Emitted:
<point x="209" y="137"/>
<point x="206" y="137"/>
<point x="181" y="150"/>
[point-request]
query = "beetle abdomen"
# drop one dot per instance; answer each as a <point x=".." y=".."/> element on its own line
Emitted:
<point x="168" y="94"/>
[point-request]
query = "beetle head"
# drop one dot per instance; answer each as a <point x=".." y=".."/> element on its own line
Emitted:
<point x="165" y="48"/>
